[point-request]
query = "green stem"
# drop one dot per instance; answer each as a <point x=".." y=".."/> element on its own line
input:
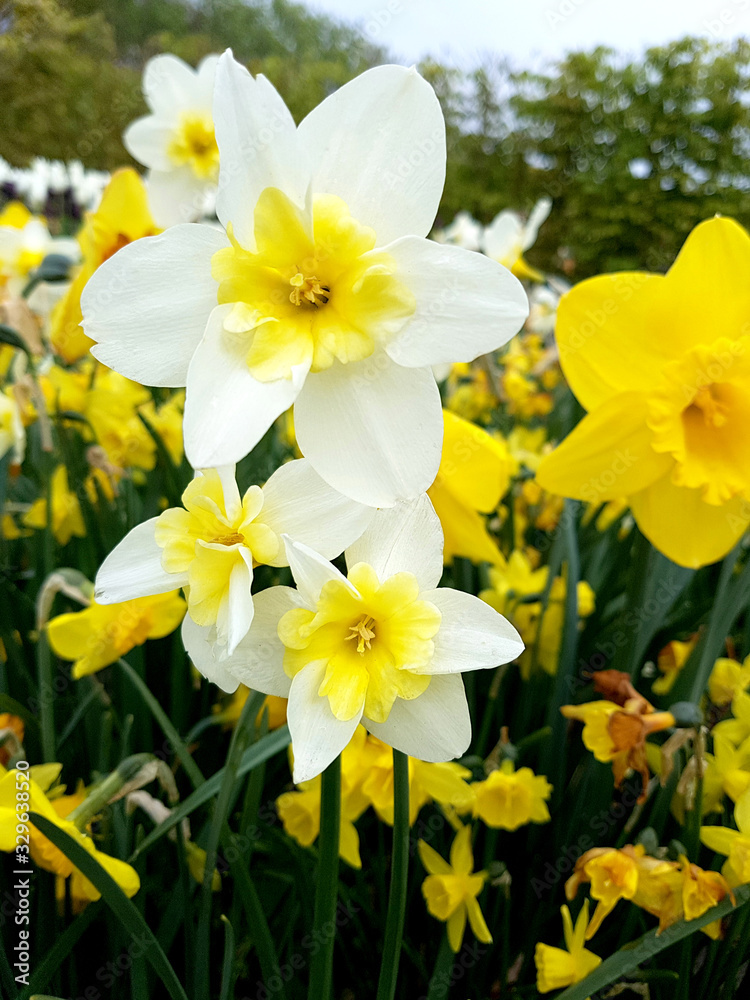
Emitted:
<point x="441" y="972"/>
<point x="46" y="697"/>
<point x="326" y="889"/>
<point x="394" y="927"/>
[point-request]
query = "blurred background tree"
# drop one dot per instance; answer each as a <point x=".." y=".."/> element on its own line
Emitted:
<point x="632" y="153"/>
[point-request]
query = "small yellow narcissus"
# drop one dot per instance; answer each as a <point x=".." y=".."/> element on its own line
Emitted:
<point x="101" y="634"/>
<point x="727" y="678"/>
<point x="735" y="844"/>
<point x="507" y="799"/>
<point x="451" y="890"/>
<point x="66" y="520"/>
<point x="556" y="967"/>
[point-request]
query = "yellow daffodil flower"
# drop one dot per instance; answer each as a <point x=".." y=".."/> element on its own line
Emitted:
<point x="67" y="519"/>
<point x="558" y="967"/>
<point x="507" y="798"/>
<point x="666" y="416"/>
<point x="100" y="634"/>
<point x="670" y="661"/>
<point x="474" y="475"/>
<point x="44" y="853"/>
<point x="11" y="735"/>
<point x="735" y="844"/>
<point x="451" y="890"/>
<point x="122" y="216"/>
<point x="617" y="734"/>
<point x="737" y="729"/>
<point x="727" y="678"/>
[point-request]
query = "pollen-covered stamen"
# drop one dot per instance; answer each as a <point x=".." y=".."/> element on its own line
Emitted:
<point x="363" y="632"/>
<point x="714" y="411"/>
<point x="234" y="539"/>
<point x="308" y="291"/>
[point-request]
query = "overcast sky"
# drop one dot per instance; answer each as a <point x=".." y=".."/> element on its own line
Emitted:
<point x="461" y="32"/>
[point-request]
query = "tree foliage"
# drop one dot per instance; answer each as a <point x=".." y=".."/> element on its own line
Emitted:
<point x="633" y="153"/>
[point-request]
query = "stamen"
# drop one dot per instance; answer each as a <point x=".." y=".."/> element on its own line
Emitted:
<point x="714" y="411"/>
<point x="233" y="539"/>
<point x="308" y="291"/>
<point x="363" y="633"/>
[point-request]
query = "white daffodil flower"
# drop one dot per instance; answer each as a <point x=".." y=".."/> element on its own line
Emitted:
<point x="508" y="237"/>
<point x="324" y="292"/>
<point x="382" y="646"/>
<point x="176" y="141"/>
<point x="464" y="231"/>
<point x="211" y="544"/>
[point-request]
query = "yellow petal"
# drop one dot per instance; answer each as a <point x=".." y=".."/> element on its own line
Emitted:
<point x="608" y="455"/>
<point x="474" y="466"/>
<point x="679" y="523"/>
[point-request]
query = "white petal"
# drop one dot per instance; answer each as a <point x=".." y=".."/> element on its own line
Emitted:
<point x="298" y="503"/>
<point x="176" y="196"/>
<point x="467" y="304"/>
<point x="318" y="737"/>
<point x="311" y="571"/>
<point x="435" y="726"/>
<point x="147" y="140"/>
<point x="258" y="661"/>
<point x="148" y="305"/>
<point x="227" y="411"/>
<point x="200" y="649"/>
<point x="373" y="429"/>
<point x="258" y="147"/>
<point x="472" y="635"/>
<point x="406" y="537"/>
<point x="133" y="569"/>
<point x="168" y="85"/>
<point x="539" y="214"/>
<point x="379" y="143"/>
<point x="240" y="609"/>
<point x="504" y="236"/>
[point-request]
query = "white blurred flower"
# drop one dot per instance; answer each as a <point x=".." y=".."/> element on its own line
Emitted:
<point x="177" y="141"/>
<point x="508" y="237"/>
<point x="464" y="232"/>
<point x="544" y="300"/>
<point x="324" y="292"/>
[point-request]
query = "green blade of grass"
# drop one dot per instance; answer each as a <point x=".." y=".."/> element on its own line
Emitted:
<point x="122" y="908"/>
<point x="241" y="736"/>
<point x="226" y="971"/>
<point x="191" y="768"/>
<point x="627" y="959"/>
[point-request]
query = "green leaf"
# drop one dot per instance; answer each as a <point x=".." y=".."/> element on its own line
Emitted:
<point x="241" y="736"/>
<point x="191" y="768"/>
<point x="267" y="747"/>
<point x="226" y="972"/>
<point x="8" y="704"/>
<point x="627" y="959"/>
<point x="10" y="336"/>
<point x="122" y="908"/>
